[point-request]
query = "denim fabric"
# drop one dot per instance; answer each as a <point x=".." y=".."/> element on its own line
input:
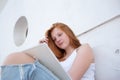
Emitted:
<point x="32" y="71"/>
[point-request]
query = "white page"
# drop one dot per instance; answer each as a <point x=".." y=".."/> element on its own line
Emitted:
<point x="48" y="59"/>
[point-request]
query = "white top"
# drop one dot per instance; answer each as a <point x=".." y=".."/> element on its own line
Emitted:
<point x="89" y="75"/>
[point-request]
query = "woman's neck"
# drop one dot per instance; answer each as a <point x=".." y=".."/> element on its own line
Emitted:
<point x="69" y="51"/>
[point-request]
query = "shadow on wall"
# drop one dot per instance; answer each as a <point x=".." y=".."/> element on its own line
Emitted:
<point x="2" y="4"/>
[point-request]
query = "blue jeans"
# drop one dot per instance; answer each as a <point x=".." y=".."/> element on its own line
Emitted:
<point x="31" y="71"/>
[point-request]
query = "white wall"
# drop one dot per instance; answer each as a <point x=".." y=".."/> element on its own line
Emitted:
<point x="105" y="41"/>
<point x="80" y="15"/>
<point x="9" y="15"/>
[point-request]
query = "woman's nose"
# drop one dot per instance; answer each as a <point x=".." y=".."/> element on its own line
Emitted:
<point x="57" y="39"/>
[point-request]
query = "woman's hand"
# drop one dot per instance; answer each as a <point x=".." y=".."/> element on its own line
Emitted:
<point x="44" y="40"/>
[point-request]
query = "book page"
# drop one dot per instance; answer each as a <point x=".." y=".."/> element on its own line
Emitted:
<point x="48" y="59"/>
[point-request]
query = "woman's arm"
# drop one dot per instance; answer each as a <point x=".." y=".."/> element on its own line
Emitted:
<point x="82" y="62"/>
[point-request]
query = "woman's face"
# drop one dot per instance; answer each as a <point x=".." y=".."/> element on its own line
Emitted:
<point x="60" y="38"/>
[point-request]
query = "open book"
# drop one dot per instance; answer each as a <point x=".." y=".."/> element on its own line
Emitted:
<point x="48" y="59"/>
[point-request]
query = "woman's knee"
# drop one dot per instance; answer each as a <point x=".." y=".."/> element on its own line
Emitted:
<point x="17" y="58"/>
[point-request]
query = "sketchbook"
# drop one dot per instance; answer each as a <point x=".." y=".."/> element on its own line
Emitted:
<point x="46" y="57"/>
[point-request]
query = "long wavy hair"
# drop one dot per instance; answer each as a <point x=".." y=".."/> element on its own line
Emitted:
<point x="60" y="53"/>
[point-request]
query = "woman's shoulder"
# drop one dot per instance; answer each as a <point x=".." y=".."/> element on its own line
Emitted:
<point x="17" y="58"/>
<point x="85" y="47"/>
<point x="85" y="51"/>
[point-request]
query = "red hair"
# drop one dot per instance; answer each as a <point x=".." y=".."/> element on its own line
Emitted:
<point x="60" y="53"/>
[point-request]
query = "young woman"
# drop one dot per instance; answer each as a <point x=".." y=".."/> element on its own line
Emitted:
<point x="77" y="59"/>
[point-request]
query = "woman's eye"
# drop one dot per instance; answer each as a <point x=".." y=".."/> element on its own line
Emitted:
<point x="60" y="34"/>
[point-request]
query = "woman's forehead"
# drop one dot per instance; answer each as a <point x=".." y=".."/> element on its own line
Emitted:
<point x="56" y="30"/>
